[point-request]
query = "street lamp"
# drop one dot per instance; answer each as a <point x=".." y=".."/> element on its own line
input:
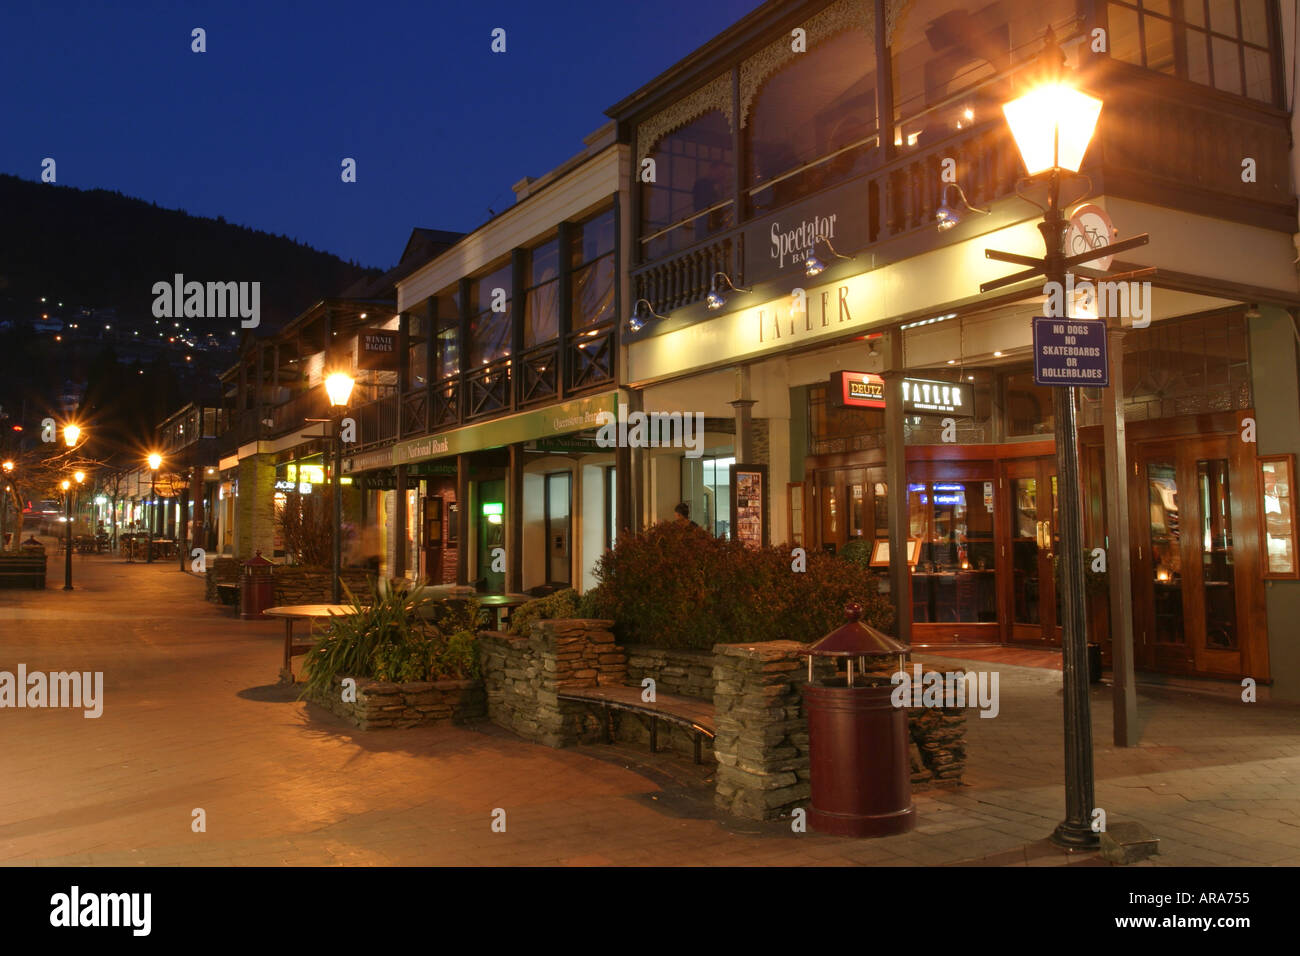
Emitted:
<point x="339" y="389"/>
<point x="155" y="462"/>
<point x="1052" y="125"/>
<point x="70" y="435"/>
<point x="67" y="534"/>
<point x="8" y="467"/>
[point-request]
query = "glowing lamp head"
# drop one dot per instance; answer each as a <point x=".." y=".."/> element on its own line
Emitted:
<point x="812" y="266"/>
<point x="80" y="477"/>
<point x="155" y="461"/>
<point x="339" y="388"/>
<point x="65" y="484"/>
<point x="70" y="435"/>
<point x="1053" y="125"/>
<point x="946" y="217"/>
<point x="8" y="466"/>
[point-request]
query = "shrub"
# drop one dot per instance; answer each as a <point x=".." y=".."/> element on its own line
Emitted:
<point x="401" y="634"/>
<point x="858" y="551"/>
<point x="558" y="605"/>
<point x="676" y="585"/>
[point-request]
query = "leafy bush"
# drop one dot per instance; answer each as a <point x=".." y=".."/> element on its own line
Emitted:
<point x="857" y="551"/>
<point x="676" y="585"/>
<point x="558" y="605"/>
<point x="401" y="634"/>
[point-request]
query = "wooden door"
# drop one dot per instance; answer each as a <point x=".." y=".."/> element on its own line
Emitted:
<point x="1033" y="539"/>
<point x="1191" y="600"/>
<point x="431" y="540"/>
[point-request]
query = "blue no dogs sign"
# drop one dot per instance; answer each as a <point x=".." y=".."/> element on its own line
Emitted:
<point x="1070" y="352"/>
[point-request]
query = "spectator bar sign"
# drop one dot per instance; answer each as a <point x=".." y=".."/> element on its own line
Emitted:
<point x="1070" y="352"/>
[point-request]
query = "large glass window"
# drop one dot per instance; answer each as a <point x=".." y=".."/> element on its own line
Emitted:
<point x="591" y="257"/>
<point x="446" y="311"/>
<point x="955" y="579"/>
<point x="813" y="123"/>
<point x="706" y="487"/>
<point x="694" y="174"/>
<point x="1225" y="44"/>
<point x="946" y="53"/>
<point x="1027" y="407"/>
<point x="542" y="308"/>
<point x="489" y="330"/>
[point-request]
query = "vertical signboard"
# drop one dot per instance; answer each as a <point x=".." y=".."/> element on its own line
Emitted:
<point x="749" y="504"/>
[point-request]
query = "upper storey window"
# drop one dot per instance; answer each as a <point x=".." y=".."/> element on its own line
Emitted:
<point x="813" y="122"/>
<point x="948" y="57"/>
<point x="691" y="197"/>
<point x="1226" y="44"/>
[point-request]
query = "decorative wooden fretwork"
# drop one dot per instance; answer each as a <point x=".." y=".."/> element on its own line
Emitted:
<point x="714" y="95"/>
<point x="838" y="17"/>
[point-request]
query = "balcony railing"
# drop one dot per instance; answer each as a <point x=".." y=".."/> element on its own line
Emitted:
<point x="1159" y="141"/>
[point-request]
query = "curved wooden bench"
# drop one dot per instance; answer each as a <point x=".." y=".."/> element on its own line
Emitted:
<point x="694" y="715"/>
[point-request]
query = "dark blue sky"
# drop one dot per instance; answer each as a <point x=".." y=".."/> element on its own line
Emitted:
<point x="255" y="129"/>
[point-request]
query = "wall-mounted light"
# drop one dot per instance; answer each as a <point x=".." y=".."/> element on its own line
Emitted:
<point x="812" y="265"/>
<point x="715" y="299"/>
<point x="948" y="216"/>
<point x="639" y="317"/>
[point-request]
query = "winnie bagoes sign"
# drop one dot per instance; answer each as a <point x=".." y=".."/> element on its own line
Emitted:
<point x="1070" y="352"/>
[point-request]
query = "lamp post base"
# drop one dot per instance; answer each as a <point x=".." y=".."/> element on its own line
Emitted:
<point x="1075" y="837"/>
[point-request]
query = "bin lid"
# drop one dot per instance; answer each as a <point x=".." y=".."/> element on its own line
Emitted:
<point x="855" y="639"/>
<point x="257" y="561"/>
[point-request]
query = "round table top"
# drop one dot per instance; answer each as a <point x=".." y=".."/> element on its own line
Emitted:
<point x="310" y="610"/>
<point x="502" y="600"/>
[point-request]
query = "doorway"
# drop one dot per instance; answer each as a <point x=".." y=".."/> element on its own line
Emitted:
<point x="1034" y="539"/>
<point x="1183" y="500"/>
<point x="559" y="500"/>
<point x="491" y="536"/>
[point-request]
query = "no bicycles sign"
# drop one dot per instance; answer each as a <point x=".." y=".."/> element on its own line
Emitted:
<point x="1090" y="228"/>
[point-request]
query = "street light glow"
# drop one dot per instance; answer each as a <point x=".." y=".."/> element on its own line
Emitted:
<point x="339" y="388"/>
<point x="1053" y="126"/>
<point x="155" y="461"/>
<point x="70" y="434"/>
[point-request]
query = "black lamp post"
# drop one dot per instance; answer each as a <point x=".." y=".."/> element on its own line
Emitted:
<point x="338" y="387"/>
<point x="1053" y="125"/>
<point x="67" y="534"/>
<point x="155" y="462"/>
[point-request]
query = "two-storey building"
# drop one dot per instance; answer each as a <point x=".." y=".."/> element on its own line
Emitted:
<point x="814" y="195"/>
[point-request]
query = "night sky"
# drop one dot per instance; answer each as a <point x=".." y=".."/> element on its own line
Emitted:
<point x="255" y="129"/>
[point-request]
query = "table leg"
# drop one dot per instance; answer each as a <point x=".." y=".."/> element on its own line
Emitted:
<point x="288" y="645"/>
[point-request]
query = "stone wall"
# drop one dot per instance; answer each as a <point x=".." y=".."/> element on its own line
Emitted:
<point x="219" y="571"/>
<point x="298" y="584"/>
<point x="938" y="746"/>
<point x="293" y="584"/>
<point x="683" y="673"/>
<point x="524" y="674"/>
<point x="382" y="704"/>
<point x="762" y="742"/>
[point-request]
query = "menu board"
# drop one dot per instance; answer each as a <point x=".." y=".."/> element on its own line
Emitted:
<point x="748" y="504"/>
<point x="1276" y="478"/>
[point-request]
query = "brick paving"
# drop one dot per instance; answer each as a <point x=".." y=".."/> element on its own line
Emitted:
<point x="192" y="720"/>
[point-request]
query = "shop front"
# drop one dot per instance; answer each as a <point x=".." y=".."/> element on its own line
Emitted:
<point x="524" y="502"/>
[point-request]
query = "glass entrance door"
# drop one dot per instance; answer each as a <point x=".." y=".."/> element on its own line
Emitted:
<point x="1185" y="590"/>
<point x="559" y="564"/>
<point x="1034" y="539"/>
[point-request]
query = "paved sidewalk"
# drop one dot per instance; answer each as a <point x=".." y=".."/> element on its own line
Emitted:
<point x="191" y="720"/>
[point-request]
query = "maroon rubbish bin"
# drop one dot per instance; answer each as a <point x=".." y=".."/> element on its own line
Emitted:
<point x="258" y="591"/>
<point x="858" y="740"/>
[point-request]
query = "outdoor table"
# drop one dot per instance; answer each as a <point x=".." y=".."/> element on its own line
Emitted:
<point x="502" y="602"/>
<point x="303" y="612"/>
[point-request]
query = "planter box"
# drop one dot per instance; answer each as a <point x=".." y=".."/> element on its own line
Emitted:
<point x="382" y="704"/>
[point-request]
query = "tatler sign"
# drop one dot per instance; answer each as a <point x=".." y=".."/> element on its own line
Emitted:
<point x="920" y="396"/>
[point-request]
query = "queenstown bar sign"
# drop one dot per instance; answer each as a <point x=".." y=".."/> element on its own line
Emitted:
<point x="377" y="349"/>
<point x="1070" y="352"/>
